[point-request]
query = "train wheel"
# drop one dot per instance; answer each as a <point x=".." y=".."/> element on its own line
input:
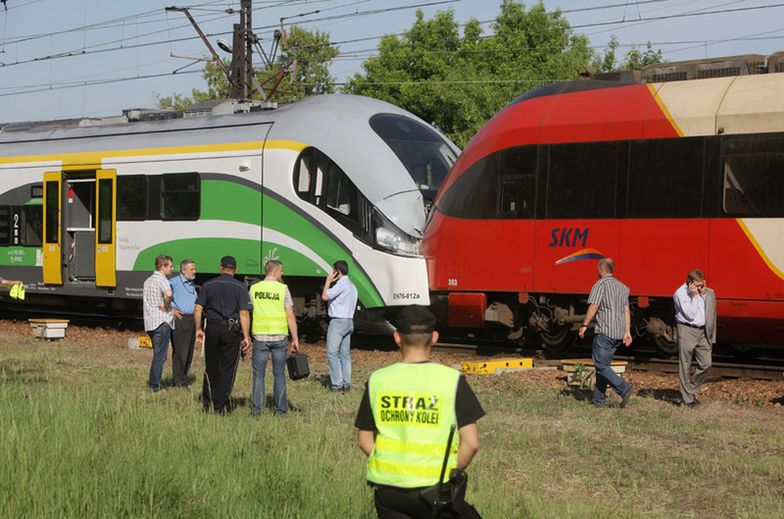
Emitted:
<point x="664" y="346"/>
<point x="558" y="338"/>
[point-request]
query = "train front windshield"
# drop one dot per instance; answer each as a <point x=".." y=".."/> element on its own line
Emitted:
<point x="423" y="152"/>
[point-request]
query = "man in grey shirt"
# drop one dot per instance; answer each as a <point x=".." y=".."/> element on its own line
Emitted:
<point x="609" y="302"/>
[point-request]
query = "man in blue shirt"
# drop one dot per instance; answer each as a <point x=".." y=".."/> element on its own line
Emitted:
<point x="342" y="299"/>
<point x="184" y="333"/>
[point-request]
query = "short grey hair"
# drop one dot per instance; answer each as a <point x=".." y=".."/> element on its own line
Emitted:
<point x="607" y="265"/>
<point x="184" y="263"/>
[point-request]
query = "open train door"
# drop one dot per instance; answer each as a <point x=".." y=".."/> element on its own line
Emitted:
<point x="53" y="260"/>
<point x="106" y="228"/>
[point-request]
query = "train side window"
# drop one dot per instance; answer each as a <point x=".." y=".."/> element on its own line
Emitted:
<point x="665" y="178"/>
<point x="753" y="176"/>
<point x="132" y="197"/>
<point x="180" y="196"/>
<point x="32" y="225"/>
<point x="52" y="189"/>
<point x="581" y="180"/>
<point x="304" y="170"/>
<point x="517" y="167"/>
<point x="474" y="195"/>
<point x="340" y="193"/>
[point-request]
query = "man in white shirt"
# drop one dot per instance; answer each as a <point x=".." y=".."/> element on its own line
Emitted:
<point x="158" y="317"/>
<point x="342" y="299"/>
<point x="695" y="315"/>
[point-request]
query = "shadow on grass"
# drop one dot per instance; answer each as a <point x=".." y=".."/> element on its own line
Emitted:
<point x="779" y="400"/>
<point x="30" y="374"/>
<point x="671" y="396"/>
<point x="579" y="394"/>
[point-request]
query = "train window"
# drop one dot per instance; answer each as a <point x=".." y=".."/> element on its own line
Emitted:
<point x="517" y="167"/>
<point x="474" y="195"/>
<point x="665" y="178"/>
<point x="37" y="191"/>
<point x="180" y="196"/>
<point x="132" y="197"/>
<point x="320" y="181"/>
<point x="32" y="225"/>
<point x="426" y="155"/>
<point x="105" y="210"/>
<point x="753" y="179"/>
<point x="52" y="189"/>
<point x="5" y="225"/>
<point x="340" y="194"/>
<point x="581" y="180"/>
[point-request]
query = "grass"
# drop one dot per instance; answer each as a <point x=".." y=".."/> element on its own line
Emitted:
<point x="82" y="437"/>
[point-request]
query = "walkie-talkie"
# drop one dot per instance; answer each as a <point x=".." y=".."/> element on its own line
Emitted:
<point x="434" y="496"/>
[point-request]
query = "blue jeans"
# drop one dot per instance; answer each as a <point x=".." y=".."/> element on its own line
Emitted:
<point x="261" y="353"/>
<point x="603" y="351"/>
<point x="160" y="338"/>
<point x="339" y="352"/>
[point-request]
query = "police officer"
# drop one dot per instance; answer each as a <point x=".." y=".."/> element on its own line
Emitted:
<point x="273" y="319"/>
<point x="404" y="421"/>
<point x="227" y="305"/>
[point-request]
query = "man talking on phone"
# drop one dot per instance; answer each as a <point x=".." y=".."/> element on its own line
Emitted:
<point x="695" y="313"/>
<point x="342" y="298"/>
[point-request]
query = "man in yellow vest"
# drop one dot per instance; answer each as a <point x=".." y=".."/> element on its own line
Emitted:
<point x="273" y="319"/>
<point x="406" y="420"/>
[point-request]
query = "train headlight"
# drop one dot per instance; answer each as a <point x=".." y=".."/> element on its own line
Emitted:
<point x="389" y="237"/>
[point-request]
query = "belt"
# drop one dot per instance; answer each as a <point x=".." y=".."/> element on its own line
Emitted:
<point x="229" y="321"/>
<point x="693" y="326"/>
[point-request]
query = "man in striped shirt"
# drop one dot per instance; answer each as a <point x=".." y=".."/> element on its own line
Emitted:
<point x="158" y="317"/>
<point x="609" y="303"/>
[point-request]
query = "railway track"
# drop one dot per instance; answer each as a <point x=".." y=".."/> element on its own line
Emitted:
<point x="722" y="368"/>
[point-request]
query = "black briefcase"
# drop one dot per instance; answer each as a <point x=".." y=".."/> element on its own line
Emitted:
<point x="298" y="366"/>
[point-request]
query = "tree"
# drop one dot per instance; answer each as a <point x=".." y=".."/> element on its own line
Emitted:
<point x="634" y="59"/>
<point x="457" y="83"/>
<point x="306" y="55"/>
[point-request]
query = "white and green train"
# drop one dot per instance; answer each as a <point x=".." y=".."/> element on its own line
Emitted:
<point x="84" y="211"/>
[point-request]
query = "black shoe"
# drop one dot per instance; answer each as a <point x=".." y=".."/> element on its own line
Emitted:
<point x="626" y="396"/>
<point x="345" y="389"/>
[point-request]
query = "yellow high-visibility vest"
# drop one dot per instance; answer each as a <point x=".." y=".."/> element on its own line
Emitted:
<point x="413" y="408"/>
<point x="269" y="308"/>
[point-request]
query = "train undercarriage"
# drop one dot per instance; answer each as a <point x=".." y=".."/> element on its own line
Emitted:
<point x="552" y="322"/>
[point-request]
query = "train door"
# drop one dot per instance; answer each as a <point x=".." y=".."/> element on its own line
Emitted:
<point x="79" y="228"/>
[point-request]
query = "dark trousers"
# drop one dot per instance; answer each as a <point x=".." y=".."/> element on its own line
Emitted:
<point x="183" y="338"/>
<point x="221" y="356"/>
<point x="397" y="503"/>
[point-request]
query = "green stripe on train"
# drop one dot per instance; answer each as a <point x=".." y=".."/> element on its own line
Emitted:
<point x="232" y="202"/>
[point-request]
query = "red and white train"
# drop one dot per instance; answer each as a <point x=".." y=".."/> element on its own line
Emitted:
<point x="662" y="177"/>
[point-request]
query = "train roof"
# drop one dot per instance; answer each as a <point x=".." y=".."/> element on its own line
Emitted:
<point x="589" y="111"/>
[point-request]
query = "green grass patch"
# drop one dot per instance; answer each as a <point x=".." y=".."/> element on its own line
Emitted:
<point x="82" y="437"/>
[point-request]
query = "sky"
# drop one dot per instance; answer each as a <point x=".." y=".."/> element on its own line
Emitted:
<point x="77" y="58"/>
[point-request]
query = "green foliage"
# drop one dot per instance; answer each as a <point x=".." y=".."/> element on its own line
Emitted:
<point x="306" y="55"/>
<point x="634" y="59"/>
<point x="458" y="82"/>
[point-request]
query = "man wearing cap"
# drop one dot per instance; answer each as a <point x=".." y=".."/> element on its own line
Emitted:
<point x="225" y="304"/>
<point x="406" y="420"/>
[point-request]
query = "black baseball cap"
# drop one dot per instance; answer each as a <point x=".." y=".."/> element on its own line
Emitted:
<point x="415" y="319"/>
<point x="228" y="262"/>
